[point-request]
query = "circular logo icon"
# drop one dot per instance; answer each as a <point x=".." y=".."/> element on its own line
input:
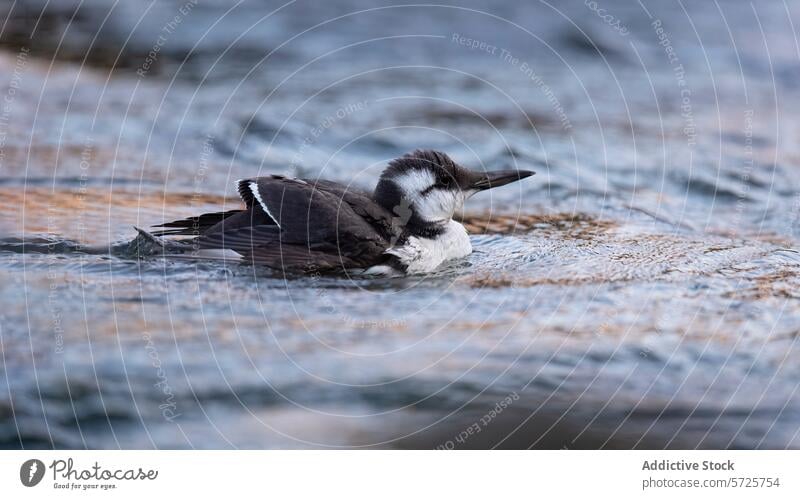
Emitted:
<point x="31" y="472"/>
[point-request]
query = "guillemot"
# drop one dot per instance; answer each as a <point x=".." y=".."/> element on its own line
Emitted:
<point x="405" y="226"/>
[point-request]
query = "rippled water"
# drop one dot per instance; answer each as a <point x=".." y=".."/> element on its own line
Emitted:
<point x="640" y="291"/>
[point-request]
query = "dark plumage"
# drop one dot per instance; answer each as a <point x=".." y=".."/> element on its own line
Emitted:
<point x="317" y="225"/>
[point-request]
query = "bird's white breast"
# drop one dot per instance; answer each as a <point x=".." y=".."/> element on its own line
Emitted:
<point x="421" y="254"/>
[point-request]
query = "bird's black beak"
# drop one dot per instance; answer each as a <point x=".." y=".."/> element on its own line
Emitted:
<point x="486" y="180"/>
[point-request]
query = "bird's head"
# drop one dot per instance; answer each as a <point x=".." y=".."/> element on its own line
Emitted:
<point x="426" y="188"/>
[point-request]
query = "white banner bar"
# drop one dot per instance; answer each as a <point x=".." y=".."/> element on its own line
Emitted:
<point x="400" y="474"/>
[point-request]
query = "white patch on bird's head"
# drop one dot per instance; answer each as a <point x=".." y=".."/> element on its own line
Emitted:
<point x="414" y="182"/>
<point x="439" y="205"/>
<point x="430" y="200"/>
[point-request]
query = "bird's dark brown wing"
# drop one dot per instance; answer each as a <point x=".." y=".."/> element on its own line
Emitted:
<point x="308" y="224"/>
<point x="295" y="224"/>
<point x="361" y="203"/>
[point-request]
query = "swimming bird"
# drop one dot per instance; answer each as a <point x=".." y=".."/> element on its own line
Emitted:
<point x="405" y="226"/>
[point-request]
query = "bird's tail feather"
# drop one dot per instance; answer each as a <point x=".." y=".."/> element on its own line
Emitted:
<point x="193" y="226"/>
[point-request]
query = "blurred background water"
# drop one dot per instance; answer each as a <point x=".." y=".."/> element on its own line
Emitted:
<point x="640" y="292"/>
